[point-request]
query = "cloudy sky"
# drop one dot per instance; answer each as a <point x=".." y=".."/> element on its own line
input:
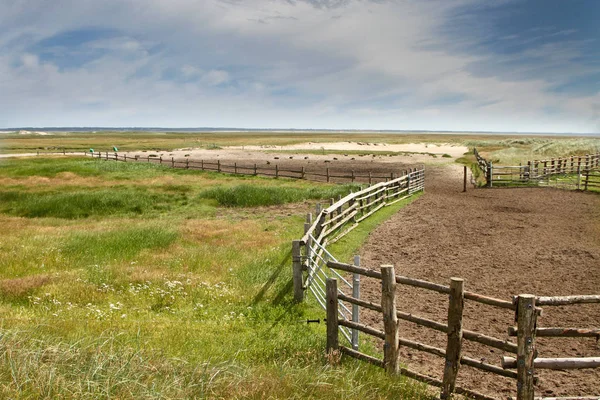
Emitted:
<point x="493" y="65"/>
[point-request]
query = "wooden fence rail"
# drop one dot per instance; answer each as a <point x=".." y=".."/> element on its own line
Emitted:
<point x="578" y="172"/>
<point x="268" y="170"/>
<point x="526" y="310"/>
<point x="340" y="218"/>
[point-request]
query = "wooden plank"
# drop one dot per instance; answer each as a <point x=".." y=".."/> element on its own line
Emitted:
<point x="340" y="215"/>
<point x="556" y="363"/>
<point x="361" y="356"/>
<point x="560" y="332"/>
<point x="361" y="327"/>
<point x="390" y="320"/>
<point x="370" y="212"/>
<point x="490" y="341"/>
<point x="397" y="200"/>
<point x="526" y="317"/>
<point x="340" y="223"/>
<point x="344" y="233"/>
<point x="566" y="300"/>
<point x="455" y="334"/>
<point x="489" y="301"/>
<point x="332" y="315"/>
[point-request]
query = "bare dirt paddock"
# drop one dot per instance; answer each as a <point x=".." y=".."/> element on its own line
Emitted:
<point x="503" y="242"/>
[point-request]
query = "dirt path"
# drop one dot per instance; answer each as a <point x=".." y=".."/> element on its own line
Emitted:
<point x="502" y="242"/>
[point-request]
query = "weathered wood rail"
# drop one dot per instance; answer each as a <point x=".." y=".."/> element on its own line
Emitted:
<point x="266" y="170"/>
<point x="340" y="218"/>
<point x="527" y="313"/>
<point x="578" y="172"/>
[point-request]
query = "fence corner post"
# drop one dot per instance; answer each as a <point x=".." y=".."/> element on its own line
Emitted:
<point x="490" y="174"/>
<point x="297" y="271"/>
<point x="390" y="319"/>
<point x="526" y="324"/>
<point x="455" y="334"/>
<point x="332" y="315"/>
<point x="465" y="178"/>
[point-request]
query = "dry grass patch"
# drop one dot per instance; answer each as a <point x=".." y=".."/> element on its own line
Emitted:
<point x="19" y="287"/>
<point x="246" y="234"/>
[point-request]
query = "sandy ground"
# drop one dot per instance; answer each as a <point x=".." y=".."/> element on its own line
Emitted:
<point x="453" y="150"/>
<point x="503" y="242"/>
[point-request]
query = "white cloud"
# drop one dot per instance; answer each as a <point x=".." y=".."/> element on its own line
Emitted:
<point x="279" y="63"/>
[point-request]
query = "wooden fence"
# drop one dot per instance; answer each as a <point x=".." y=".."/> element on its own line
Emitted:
<point x="310" y="254"/>
<point x="268" y="170"/>
<point x="569" y="172"/>
<point x="527" y="314"/>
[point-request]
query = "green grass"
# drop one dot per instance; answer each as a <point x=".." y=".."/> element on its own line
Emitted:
<point x="253" y="196"/>
<point x="86" y="203"/>
<point x="119" y="244"/>
<point x="158" y="299"/>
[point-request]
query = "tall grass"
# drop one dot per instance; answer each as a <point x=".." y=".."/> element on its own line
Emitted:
<point x="85" y="203"/>
<point x="254" y="196"/>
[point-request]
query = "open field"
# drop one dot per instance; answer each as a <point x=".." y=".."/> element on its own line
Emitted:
<point x="134" y="280"/>
<point x="124" y="280"/>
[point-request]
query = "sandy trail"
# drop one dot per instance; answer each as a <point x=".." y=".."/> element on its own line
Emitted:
<point x="502" y="242"/>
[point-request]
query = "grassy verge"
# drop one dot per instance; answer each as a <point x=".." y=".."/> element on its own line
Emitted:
<point x="188" y="299"/>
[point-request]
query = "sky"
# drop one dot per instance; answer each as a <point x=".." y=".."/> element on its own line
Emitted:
<point x="460" y="65"/>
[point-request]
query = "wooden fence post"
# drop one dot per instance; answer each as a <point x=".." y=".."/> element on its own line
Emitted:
<point x="587" y="179"/>
<point x="332" y="315"/>
<point x="490" y="174"/>
<point x="218" y="165"/>
<point x="370" y="179"/>
<point x="254" y="169"/>
<point x="297" y="271"/>
<point x="578" y="178"/>
<point x="390" y="319"/>
<point x="353" y="176"/>
<point x="454" y="345"/>
<point x="160" y="160"/>
<point x="308" y="222"/>
<point x="276" y="171"/>
<point x="355" y="309"/>
<point x="235" y="167"/>
<point x="187" y="163"/>
<point x="526" y="323"/>
<point x="327" y="171"/>
<point x="125" y="157"/>
<point x="302" y="176"/>
<point x="172" y="162"/>
<point x="465" y="179"/>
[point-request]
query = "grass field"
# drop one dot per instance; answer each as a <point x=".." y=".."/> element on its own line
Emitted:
<point x="125" y="280"/>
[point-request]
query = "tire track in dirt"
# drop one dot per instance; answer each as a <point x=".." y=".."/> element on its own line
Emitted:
<point x="502" y="242"/>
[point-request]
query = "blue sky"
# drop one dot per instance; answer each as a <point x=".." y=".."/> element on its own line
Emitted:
<point x="472" y="65"/>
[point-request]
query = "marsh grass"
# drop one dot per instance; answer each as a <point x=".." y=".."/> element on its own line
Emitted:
<point x="253" y="196"/>
<point x="86" y="203"/>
